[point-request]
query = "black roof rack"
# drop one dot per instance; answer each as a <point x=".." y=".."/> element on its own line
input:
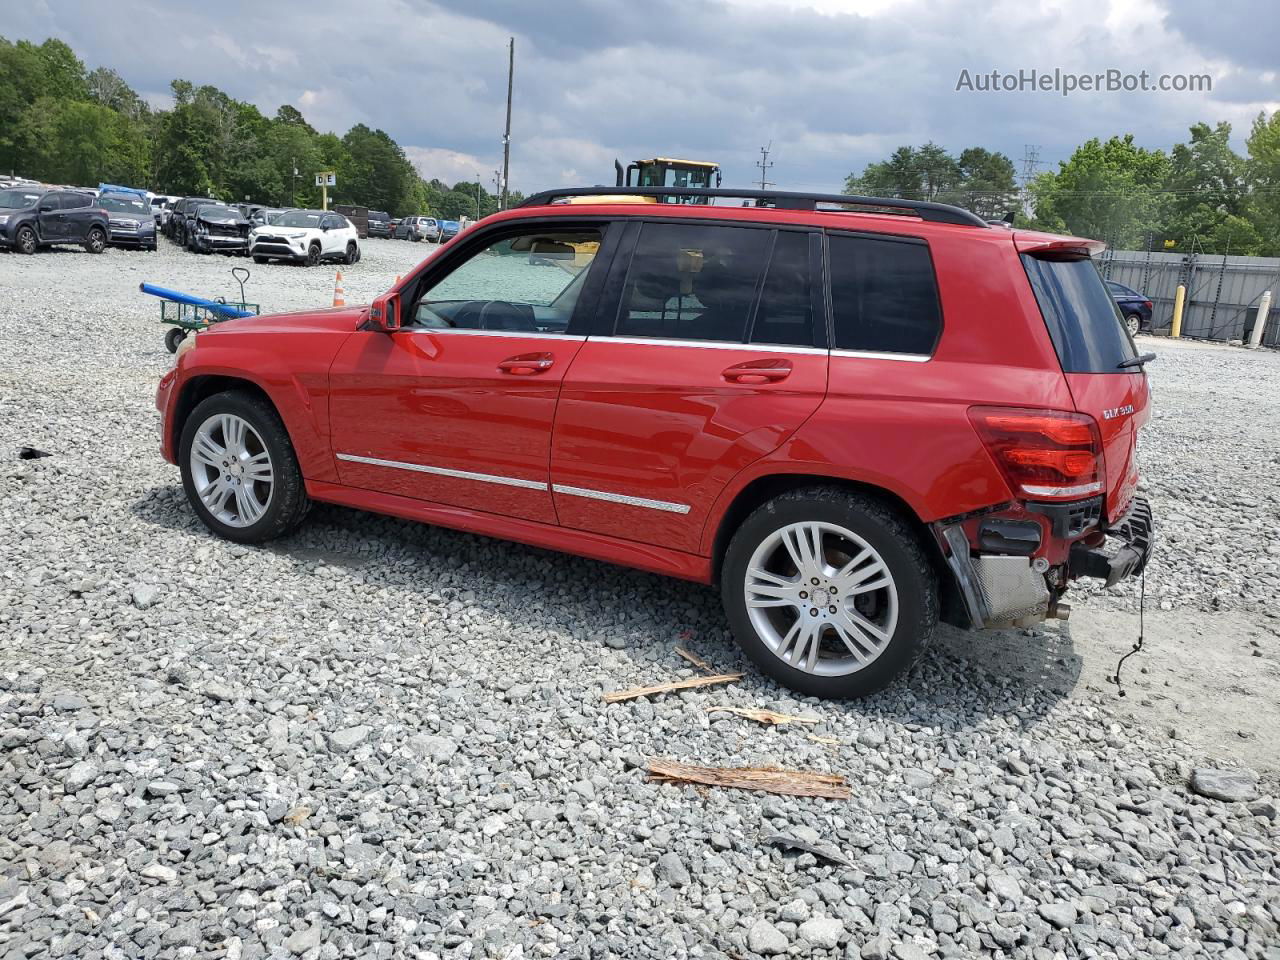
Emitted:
<point x="779" y="199"/>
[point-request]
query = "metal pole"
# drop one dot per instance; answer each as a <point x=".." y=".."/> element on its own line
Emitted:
<point x="477" y="194"/>
<point x="1260" y="320"/>
<point x="1179" y="298"/>
<point x="506" y="136"/>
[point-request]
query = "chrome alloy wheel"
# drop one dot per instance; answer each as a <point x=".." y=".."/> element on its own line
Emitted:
<point x="231" y="470"/>
<point x="1133" y="324"/>
<point x="821" y="598"/>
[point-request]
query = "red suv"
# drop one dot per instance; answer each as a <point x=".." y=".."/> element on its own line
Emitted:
<point x="856" y="415"/>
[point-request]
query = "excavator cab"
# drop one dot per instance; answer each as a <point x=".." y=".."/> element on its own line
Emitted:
<point x="668" y="172"/>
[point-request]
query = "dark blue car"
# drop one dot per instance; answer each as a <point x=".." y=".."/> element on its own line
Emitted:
<point x="1134" y="307"/>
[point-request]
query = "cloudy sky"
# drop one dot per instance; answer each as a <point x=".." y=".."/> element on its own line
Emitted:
<point x="832" y="84"/>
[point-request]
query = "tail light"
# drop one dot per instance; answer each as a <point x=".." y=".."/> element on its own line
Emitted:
<point x="1147" y="304"/>
<point x="1043" y="454"/>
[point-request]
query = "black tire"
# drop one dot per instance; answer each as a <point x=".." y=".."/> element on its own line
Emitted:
<point x="1133" y="322"/>
<point x="25" y="240"/>
<point x="288" y="503"/>
<point x="179" y="236"/>
<point x="313" y="255"/>
<point x="258" y="259"/>
<point x="883" y="529"/>
<point x="352" y="254"/>
<point x="95" y="241"/>
<point x="173" y="338"/>
<point x="416" y="238"/>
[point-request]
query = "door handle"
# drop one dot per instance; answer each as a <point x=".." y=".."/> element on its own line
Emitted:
<point x="527" y="364"/>
<point x="771" y="370"/>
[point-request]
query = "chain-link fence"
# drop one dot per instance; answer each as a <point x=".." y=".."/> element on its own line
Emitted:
<point x="1222" y="292"/>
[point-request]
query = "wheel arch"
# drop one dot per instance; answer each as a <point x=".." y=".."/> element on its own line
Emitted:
<point x="764" y="488"/>
<point x="203" y="386"/>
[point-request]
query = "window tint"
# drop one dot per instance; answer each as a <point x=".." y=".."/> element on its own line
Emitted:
<point x="72" y="201"/>
<point x="785" y="312"/>
<point x="692" y="282"/>
<point x="528" y="283"/>
<point x="1084" y="321"/>
<point x="884" y="297"/>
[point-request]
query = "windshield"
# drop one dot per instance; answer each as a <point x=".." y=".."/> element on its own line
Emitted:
<point x="17" y="199"/>
<point x="219" y="213"/>
<point x="300" y="218"/>
<point x="135" y="205"/>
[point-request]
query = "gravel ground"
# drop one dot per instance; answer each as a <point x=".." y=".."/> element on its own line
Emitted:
<point x="377" y="739"/>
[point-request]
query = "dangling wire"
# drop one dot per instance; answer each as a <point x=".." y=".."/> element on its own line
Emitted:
<point x="1142" y="608"/>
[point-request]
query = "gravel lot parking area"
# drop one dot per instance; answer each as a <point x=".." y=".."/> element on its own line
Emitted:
<point x="377" y="739"/>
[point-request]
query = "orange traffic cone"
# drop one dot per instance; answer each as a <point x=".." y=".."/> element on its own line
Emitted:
<point x="339" y="295"/>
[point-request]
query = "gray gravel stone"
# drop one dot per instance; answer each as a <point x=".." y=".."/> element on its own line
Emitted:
<point x="765" y="939"/>
<point x="348" y="738"/>
<point x="824" y="932"/>
<point x="1059" y="914"/>
<point x="1229" y="785"/>
<point x="80" y="776"/>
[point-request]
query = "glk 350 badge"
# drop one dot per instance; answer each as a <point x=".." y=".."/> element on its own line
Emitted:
<point x="1114" y="412"/>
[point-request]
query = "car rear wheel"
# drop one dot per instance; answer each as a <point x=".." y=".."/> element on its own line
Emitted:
<point x="313" y="255"/>
<point x="95" y="240"/>
<point x="25" y="241"/>
<point x="829" y="592"/>
<point x="239" y="469"/>
<point x="1133" y="323"/>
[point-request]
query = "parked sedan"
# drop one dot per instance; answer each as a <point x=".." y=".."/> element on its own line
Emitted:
<point x="1134" y="307"/>
<point x="131" y="221"/>
<point x="218" y="228"/>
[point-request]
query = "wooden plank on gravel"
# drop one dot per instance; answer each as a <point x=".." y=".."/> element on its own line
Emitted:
<point x="793" y="783"/>
<point x="767" y="717"/>
<point x="634" y="692"/>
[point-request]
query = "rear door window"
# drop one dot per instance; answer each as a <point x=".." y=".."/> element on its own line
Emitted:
<point x="784" y="315"/>
<point x="884" y="296"/>
<point x="692" y="282"/>
<point x="1083" y="320"/>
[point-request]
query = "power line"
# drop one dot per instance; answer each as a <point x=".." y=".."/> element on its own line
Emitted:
<point x="764" y="164"/>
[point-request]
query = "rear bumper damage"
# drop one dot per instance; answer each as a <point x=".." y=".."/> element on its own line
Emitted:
<point x="1008" y="590"/>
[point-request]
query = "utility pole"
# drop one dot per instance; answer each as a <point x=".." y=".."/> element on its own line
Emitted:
<point x="506" y="137"/>
<point x="764" y="164"/>
<point x="293" y="191"/>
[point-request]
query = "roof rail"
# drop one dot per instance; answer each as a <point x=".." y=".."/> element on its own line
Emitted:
<point x="779" y="199"/>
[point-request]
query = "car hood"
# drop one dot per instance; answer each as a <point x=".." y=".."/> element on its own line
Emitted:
<point x="333" y="320"/>
<point x="276" y="228"/>
<point x="231" y="221"/>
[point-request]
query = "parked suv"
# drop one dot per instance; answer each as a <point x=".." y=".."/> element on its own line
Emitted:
<point x="33" y="216"/>
<point x="306" y="236"/>
<point x="217" y="228"/>
<point x="417" y="228"/>
<point x="177" y="226"/>
<point x="131" y="220"/>
<point x="379" y="223"/>
<point x="855" y="420"/>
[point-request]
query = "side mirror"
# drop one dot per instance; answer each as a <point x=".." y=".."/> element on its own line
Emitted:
<point x="384" y="313"/>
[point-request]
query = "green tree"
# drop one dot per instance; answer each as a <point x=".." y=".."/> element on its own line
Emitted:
<point x="22" y="82"/>
<point x="1106" y="190"/>
<point x="1263" y="171"/>
<point x="81" y="142"/>
<point x="1206" y="203"/>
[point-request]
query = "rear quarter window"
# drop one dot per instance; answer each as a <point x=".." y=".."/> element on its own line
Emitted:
<point x="884" y="295"/>
<point x="1083" y="320"/>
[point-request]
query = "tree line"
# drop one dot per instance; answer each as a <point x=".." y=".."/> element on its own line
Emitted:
<point x="1201" y="197"/>
<point x="63" y="123"/>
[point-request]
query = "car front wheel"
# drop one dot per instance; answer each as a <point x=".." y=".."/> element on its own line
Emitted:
<point x="829" y="592"/>
<point x="351" y="255"/>
<point x="25" y="241"/>
<point x="313" y="255"/>
<point x="239" y="469"/>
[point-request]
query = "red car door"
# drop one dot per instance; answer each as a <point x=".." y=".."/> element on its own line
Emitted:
<point x="457" y="406"/>
<point x="717" y="355"/>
